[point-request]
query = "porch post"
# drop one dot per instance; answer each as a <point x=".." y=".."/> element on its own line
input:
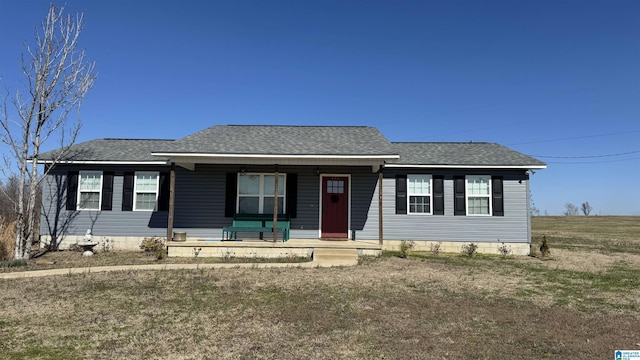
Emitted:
<point x="172" y="187"/>
<point x="275" y="207"/>
<point x="380" y="228"/>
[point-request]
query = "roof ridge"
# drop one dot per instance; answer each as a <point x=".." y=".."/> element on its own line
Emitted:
<point x="442" y="142"/>
<point x="110" y="139"/>
<point x="297" y="126"/>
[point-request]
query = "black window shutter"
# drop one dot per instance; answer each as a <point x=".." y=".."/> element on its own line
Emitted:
<point x="459" y="196"/>
<point x="72" y="189"/>
<point x="127" y="191"/>
<point x="230" y="195"/>
<point x="163" y="197"/>
<point x="401" y="194"/>
<point x="292" y="195"/>
<point x="107" y="190"/>
<point x="438" y="195"/>
<point x="497" y="196"/>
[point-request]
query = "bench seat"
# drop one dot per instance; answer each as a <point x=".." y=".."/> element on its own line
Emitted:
<point x="256" y="223"/>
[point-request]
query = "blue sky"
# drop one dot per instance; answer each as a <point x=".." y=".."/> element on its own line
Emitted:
<point x="546" y="78"/>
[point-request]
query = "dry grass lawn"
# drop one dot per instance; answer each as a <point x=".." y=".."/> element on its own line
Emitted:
<point x="581" y="302"/>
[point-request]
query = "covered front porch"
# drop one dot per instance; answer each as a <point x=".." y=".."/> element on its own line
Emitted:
<point x="318" y="201"/>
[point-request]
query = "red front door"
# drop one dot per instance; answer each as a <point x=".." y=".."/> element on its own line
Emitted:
<point x="335" y="207"/>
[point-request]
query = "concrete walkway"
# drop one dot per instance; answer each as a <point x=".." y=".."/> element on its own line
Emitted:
<point x="96" y="269"/>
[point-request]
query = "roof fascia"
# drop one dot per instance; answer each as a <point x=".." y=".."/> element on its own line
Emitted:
<point x="100" y="162"/>
<point x="276" y="156"/>
<point x="436" y="166"/>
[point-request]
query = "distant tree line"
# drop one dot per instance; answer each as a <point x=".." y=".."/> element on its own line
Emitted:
<point x="573" y="210"/>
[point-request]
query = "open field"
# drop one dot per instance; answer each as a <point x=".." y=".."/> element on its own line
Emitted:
<point x="583" y="302"/>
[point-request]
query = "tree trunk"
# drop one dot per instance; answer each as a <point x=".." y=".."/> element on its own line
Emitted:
<point x="20" y="252"/>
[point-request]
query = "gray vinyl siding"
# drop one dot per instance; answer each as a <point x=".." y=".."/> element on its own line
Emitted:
<point x="107" y="223"/>
<point x="200" y="206"/>
<point x="512" y="227"/>
<point x="199" y="202"/>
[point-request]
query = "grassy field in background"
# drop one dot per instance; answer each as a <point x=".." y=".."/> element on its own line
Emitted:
<point x="582" y="301"/>
<point x="595" y="233"/>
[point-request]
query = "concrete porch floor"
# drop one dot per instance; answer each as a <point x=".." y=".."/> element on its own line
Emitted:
<point x="267" y="249"/>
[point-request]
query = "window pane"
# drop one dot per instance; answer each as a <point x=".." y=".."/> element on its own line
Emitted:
<point x="90" y="200"/>
<point x="268" y="205"/>
<point x="479" y="205"/>
<point x="478" y="185"/>
<point x="249" y="185"/>
<point x="329" y="186"/>
<point x="269" y="184"/>
<point x="146" y="182"/>
<point x="419" y="184"/>
<point x="145" y="201"/>
<point x="249" y="205"/>
<point x="419" y="204"/>
<point x="90" y="181"/>
<point x="335" y="186"/>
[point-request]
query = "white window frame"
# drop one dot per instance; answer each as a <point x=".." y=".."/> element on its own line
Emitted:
<point x="80" y="191"/>
<point x="261" y="195"/>
<point x="468" y="195"/>
<point x="136" y="191"/>
<point x="430" y="195"/>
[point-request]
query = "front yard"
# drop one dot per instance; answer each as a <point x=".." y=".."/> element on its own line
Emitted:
<point x="583" y="301"/>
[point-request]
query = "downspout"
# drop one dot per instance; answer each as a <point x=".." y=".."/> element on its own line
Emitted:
<point x="380" y="227"/>
<point x="528" y="189"/>
<point x="172" y="187"/>
<point x="275" y="206"/>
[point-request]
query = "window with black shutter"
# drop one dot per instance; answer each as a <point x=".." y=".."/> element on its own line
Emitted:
<point x="459" y="184"/>
<point x="497" y="195"/>
<point x="438" y="195"/>
<point x="127" y="191"/>
<point x="401" y="194"/>
<point x="72" y="190"/>
<point x="107" y="191"/>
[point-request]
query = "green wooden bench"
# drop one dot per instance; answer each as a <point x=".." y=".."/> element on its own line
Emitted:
<point x="256" y="223"/>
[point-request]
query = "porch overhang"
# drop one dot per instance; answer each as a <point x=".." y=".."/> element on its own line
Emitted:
<point x="188" y="160"/>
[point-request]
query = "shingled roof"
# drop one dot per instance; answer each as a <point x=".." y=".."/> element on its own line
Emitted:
<point x="460" y="154"/>
<point x="115" y="150"/>
<point x="299" y="140"/>
<point x="283" y="140"/>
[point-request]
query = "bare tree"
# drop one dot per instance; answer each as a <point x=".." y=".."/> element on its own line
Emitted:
<point x="586" y="208"/>
<point x="533" y="209"/>
<point x="8" y="196"/>
<point x="570" y="210"/>
<point x="57" y="79"/>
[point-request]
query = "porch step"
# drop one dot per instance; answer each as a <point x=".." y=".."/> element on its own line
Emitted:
<point x="335" y="257"/>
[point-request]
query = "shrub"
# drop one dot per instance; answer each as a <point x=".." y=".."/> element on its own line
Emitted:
<point x="435" y="248"/>
<point x="544" y="247"/>
<point x="227" y="256"/>
<point x="504" y="250"/>
<point x="107" y="245"/>
<point x="469" y="249"/>
<point x="13" y="263"/>
<point x="154" y="246"/>
<point x="405" y="248"/>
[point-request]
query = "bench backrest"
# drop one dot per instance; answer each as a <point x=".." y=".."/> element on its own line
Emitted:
<point x="261" y="220"/>
<point x="260" y="217"/>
